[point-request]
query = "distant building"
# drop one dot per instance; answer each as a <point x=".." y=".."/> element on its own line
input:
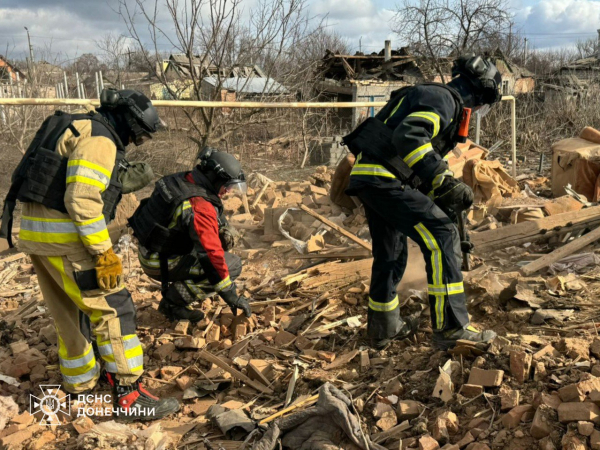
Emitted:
<point x="585" y="69"/>
<point x="10" y="73"/>
<point x="366" y="78"/>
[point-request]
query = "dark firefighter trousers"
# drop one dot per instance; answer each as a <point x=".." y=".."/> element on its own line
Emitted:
<point x="393" y="215"/>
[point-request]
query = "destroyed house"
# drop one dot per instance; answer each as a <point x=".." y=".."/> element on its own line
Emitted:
<point x="236" y="88"/>
<point x="9" y="73"/>
<point x="181" y="67"/>
<point x="365" y="78"/>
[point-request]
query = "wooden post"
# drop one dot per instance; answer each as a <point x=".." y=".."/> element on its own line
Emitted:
<point x="101" y="81"/>
<point x="83" y="94"/>
<point x="2" y="112"/>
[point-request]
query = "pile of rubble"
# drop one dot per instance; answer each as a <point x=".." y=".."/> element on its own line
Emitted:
<point x="301" y="359"/>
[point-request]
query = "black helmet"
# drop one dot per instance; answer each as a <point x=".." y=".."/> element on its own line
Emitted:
<point x="137" y="109"/>
<point x="222" y="170"/>
<point x="482" y="75"/>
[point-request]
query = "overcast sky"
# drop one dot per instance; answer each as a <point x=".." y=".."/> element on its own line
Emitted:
<point x="70" y="26"/>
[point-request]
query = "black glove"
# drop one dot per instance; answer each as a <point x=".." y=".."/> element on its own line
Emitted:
<point x="466" y="246"/>
<point x="453" y="195"/>
<point x="228" y="236"/>
<point x="236" y="301"/>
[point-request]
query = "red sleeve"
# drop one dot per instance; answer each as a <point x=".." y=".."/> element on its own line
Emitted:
<point x="207" y="230"/>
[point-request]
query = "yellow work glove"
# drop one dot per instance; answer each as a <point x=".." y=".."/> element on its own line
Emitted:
<point x="108" y="269"/>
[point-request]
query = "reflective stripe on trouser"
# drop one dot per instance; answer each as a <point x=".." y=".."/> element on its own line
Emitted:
<point x="112" y="316"/>
<point x="392" y="216"/>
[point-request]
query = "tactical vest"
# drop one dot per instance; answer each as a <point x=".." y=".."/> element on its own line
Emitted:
<point x="42" y="173"/>
<point x="150" y="221"/>
<point x="447" y="139"/>
<point x="374" y="138"/>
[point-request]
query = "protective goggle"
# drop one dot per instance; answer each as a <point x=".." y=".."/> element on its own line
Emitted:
<point x="235" y="186"/>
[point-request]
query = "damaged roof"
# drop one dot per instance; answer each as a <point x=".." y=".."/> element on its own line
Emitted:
<point x="252" y="85"/>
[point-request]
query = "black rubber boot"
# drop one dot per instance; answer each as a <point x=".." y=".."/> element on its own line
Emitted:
<point x="445" y="340"/>
<point x="175" y="304"/>
<point x="409" y="327"/>
<point x="134" y="403"/>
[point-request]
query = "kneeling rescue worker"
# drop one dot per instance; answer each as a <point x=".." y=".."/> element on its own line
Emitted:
<point x="407" y="190"/>
<point x="68" y="181"/>
<point x="184" y="236"/>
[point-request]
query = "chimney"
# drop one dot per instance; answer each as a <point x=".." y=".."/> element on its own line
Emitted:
<point x="388" y="50"/>
<point x="598" y="46"/>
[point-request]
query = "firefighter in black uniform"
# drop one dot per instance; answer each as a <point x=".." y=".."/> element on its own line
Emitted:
<point x="407" y="190"/>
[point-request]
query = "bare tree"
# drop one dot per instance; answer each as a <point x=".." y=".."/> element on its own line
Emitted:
<point x="587" y="47"/>
<point x="211" y="34"/>
<point x="436" y="29"/>
<point x="113" y="53"/>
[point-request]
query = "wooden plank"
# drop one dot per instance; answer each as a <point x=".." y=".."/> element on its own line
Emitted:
<point x="308" y="401"/>
<point x="535" y="230"/>
<point x="245" y="202"/>
<point x="234" y="372"/>
<point x="561" y="252"/>
<point x="337" y="228"/>
<point x="260" y="194"/>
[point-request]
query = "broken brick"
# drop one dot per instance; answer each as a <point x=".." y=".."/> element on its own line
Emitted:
<point x="471" y="390"/>
<point x="509" y="398"/>
<point x="164" y="350"/>
<point x="595" y="440"/>
<point x="428" y="443"/>
<point x="575" y="348"/>
<point x="486" y="378"/>
<point x="520" y="365"/>
<point x="585" y="428"/>
<point x="543" y="422"/>
<point x="512" y="419"/>
<point x="409" y="409"/>
<point x="574" y="412"/>
<point x="284" y="338"/>
<point x="190" y="342"/>
<point x="547" y="351"/>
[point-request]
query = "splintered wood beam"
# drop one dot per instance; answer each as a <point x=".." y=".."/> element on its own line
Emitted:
<point x="337" y="228"/>
<point x="535" y="230"/>
<point x="234" y="372"/>
<point x="561" y="252"/>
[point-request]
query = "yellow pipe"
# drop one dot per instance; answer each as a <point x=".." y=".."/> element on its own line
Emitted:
<point x="191" y="104"/>
<point x="202" y="104"/>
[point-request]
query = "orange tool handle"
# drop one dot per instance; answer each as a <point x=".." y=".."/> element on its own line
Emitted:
<point x="463" y="129"/>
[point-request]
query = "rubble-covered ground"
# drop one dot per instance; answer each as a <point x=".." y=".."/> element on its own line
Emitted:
<point x="535" y="386"/>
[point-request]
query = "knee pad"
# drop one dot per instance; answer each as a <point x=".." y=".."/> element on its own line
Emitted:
<point x="123" y="304"/>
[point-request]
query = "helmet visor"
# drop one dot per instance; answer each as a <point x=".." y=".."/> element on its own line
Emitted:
<point x="234" y="186"/>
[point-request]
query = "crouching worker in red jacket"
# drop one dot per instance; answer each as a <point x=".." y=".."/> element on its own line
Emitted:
<point x="184" y="237"/>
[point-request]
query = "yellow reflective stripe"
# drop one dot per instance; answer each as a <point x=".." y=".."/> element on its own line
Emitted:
<point x="223" y="284"/>
<point x="395" y="109"/>
<point x="68" y="371"/>
<point x="86" y="180"/>
<point x="437" y="268"/>
<point x="417" y="154"/>
<point x="384" y="307"/>
<point x="95" y="238"/>
<point x="89" y="165"/>
<point x="92" y="231"/>
<point x="371" y="170"/>
<point x="48" y="238"/>
<point x="448" y="289"/>
<point x="185" y="205"/>
<point x="432" y="117"/>
<point x="70" y="287"/>
<point x="129" y="354"/>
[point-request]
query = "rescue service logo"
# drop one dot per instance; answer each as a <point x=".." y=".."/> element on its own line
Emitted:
<point x="50" y="404"/>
